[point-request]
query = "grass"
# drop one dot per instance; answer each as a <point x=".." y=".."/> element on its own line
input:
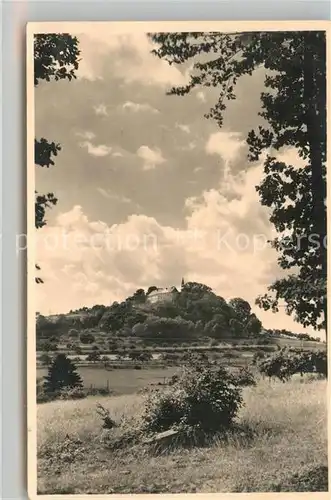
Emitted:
<point x="289" y="445"/>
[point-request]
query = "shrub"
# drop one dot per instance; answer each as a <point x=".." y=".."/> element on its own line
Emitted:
<point x="86" y="338"/>
<point x="286" y="362"/>
<point x="47" y="346"/>
<point x="310" y="480"/>
<point x="108" y="422"/>
<point x="245" y="378"/>
<point x="73" y="333"/>
<point x="45" y="359"/>
<point x="205" y="397"/>
<point x="258" y="355"/>
<point x="72" y="393"/>
<point x="93" y="356"/>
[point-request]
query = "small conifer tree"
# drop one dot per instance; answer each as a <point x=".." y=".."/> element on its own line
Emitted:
<point x="62" y="373"/>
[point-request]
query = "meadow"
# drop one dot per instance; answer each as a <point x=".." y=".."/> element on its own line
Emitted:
<point x="283" y="446"/>
<point x="119" y="381"/>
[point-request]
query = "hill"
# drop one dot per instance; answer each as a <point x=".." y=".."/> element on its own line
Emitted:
<point x="189" y="315"/>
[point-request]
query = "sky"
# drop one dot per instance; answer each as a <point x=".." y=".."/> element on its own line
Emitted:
<point x="149" y="190"/>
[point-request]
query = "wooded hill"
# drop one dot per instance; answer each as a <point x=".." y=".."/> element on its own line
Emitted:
<point x="194" y="312"/>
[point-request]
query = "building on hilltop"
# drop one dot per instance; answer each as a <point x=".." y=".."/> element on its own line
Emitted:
<point x="164" y="294"/>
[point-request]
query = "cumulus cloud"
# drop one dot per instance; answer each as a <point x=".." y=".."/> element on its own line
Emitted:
<point x="126" y="55"/>
<point x="225" y="144"/>
<point x="87" y="262"/>
<point x="101" y="109"/>
<point x="136" y="107"/>
<point x="120" y="96"/>
<point x="86" y="135"/>
<point x="151" y="157"/>
<point x="100" y="150"/>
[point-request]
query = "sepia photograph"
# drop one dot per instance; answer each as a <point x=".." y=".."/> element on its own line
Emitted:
<point x="177" y="257"/>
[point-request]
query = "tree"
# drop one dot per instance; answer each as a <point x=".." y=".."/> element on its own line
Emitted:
<point x="93" y="356"/>
<point x="241" y="308"/>
<point x="55" y="57"/>
<point x="237" y="328"/>
<point x="254" y="325"/>
<point x="47" y="346"/>
<point x="140" y="356"/>
<point x="197" y="290"/>
<point x="294" y="110"/>
<point x="86" y="338"/>
<point x="73" y="333"/>
<point x="62" y="374"/>
<point x="139" y="296"/>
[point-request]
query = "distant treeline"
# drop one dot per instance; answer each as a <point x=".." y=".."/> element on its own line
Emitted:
<point x="287" y="333"/>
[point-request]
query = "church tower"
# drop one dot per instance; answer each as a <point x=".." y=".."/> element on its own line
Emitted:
<point x="182" y="283"/>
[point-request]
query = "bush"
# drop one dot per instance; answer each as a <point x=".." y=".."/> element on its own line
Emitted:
<point x="86" y="338"/>
<point x="258" y="355"/>
<point x="64" y="394"/>
<point x="45" y="359"/>
<point x="310" y="480"/>
<point x="204" y="398"/>
<point x="245" y="378"/>
<point x="286" y="362"/>
<point x="93" y="356"/>
<point x="73" y="333"/>
<point x="74" y="393"/>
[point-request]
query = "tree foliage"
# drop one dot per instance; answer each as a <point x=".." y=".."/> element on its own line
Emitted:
<point x="287" y="362"/>
<point x="294" y="115"/>
<point x="62" y="374"/>
<point x="87" y="338"/>
<point x="194" y="312"/>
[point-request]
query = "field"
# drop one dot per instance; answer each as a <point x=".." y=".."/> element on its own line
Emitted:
<point x="121" y="381"/>
<point x="288" y="436"/>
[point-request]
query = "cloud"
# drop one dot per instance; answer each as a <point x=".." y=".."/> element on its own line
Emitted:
<point x="86" y="262"/>
<point x="126" y="55"/>
<point x="100" y="150"/>
<point x="184" y="128"/>
<point x="191" y="145"/>
<point x="106" y="193"/>
<point x="225" y="144"/>
<point x="290" y="156"/>
<point x="206" y="187"/>
<point x="151" y="157"/>
<point x="136" y="107"/>
<point x="201" y="96"/>
<point x="101" y="109"/>
<point x="86" y="135"/>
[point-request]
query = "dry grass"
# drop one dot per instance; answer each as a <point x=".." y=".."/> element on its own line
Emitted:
<point x="290" y="435"/>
